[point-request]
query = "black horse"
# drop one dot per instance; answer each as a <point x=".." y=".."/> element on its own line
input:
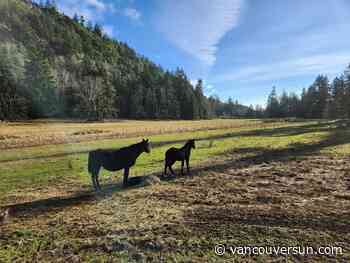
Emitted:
<point x="114" y="160"/>
<point x="183" y="154"/>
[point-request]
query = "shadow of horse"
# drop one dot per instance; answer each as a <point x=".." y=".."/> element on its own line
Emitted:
<point x="42" y="206"/>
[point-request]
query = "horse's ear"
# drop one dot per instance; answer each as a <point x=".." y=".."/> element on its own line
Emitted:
<point x="147" y="140"/>
<point x="143" y="140"/>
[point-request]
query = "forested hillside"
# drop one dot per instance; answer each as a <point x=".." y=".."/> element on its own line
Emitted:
<point x="54" y="66"/>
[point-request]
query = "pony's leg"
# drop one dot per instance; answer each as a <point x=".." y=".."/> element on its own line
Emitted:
<point x="165" y="168"/>
<point x="188" y="165"/>
<point x="171" y="170"/>
<point x="182" y="167"/>
<point x="126" y="175"/>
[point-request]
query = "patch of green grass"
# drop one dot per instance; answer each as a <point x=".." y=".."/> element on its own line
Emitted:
<point x="53" y="171"/>
<point x="341" y="146"/>
<point x="71" y="148"/>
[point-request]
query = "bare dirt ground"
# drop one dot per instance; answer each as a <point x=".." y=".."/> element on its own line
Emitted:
<point x="298" y="201"/>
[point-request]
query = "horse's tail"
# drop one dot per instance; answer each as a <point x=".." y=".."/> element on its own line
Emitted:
<point x="92" y="163"/>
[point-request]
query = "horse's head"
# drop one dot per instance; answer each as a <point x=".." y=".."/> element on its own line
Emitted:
<point x="146" y="145"/>
<point x="192" y="144"/>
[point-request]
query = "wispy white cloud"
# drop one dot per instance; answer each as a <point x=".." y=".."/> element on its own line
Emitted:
<point x="332" y="63"/>
<point x="92" y="10"/>
<point x="132" y="13"/>
<point x="97" y="10"/>
<point x="97" y="4"/>
<point x="197" y="26"/>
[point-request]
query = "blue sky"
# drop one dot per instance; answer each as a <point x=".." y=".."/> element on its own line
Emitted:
<point x="240" y="48"/>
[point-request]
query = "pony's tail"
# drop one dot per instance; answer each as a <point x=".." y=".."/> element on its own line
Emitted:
<point x="92" y="162"/>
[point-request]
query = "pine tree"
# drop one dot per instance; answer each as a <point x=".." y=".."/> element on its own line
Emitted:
<point x="98" y="30"/>
<point x="273" y="107"/>
<point x="250" y="112"/>
<point x="347" y="91"/>
<point x="294" y="105"/>
<point x="322" y="84"/>
<point x="90" y="26"/>
<point x="82" y="21"/>
<point x="76" y="18"/>
<point x="311" y="100"/>
<point x="13" y="104"/>
<point x="41" y="87"/>
<point x="106" y="102"/>
<point x="202" y="102"/>
<point x="337" y="108"/>
<point x="284" y="105"/>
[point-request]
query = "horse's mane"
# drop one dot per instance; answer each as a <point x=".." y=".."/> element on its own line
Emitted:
<point x="130" y="146"/>
<point x="188" y="143"/>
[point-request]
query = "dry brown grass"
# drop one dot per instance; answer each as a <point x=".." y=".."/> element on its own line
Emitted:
<point x="22" y="134"/>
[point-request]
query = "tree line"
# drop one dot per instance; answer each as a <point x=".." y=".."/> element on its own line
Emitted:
<point x="54" y="66"/>
<point x="322" y="99"/>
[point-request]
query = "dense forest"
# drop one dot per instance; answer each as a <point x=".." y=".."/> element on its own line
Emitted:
<point x="323" y="99"/>
<point x="55" y="66"/>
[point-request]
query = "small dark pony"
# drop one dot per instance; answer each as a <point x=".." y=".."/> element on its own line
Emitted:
<point x="114" y="160"/>
<point x="183" y="154"/>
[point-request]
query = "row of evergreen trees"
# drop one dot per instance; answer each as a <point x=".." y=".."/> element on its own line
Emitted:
<point x="323" y="99"/>
<point x="54" y="66"/>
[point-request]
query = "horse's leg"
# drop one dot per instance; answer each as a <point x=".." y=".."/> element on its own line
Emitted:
<point x="165" y="168"/>
<point x="98" y="183"/>
<point x="94" y="178"/>
<point x="171" y="170"/>
<point x="182" y="167"/>
<point x="188" y="165"/>
<point x="126" y="175"/>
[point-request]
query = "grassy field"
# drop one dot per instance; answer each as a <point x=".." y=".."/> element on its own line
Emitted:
<point x="49" y="132"/>
<point x="254" y="182"/>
